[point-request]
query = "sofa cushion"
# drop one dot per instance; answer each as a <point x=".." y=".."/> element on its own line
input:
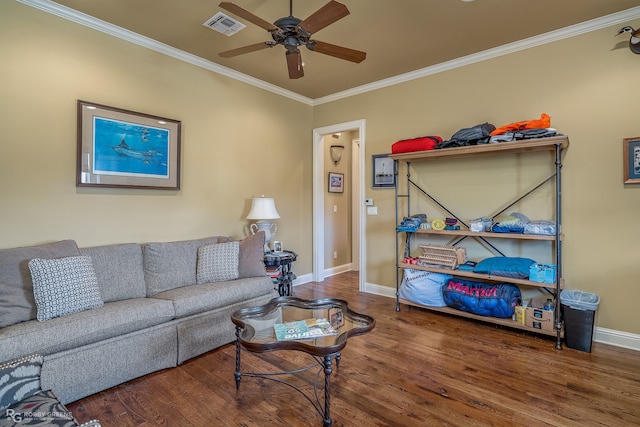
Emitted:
<point x="119" y="270"/>
<point x="252" y="256"/>
<point x="169" y="265"/>
<point x="19" y="379"/>
<point x="64" y="286"/>
<point x="210" y="296"/>
<point x="16" y="291"/>
<point x="78" y="329"/>
<point x="218" y="262"/>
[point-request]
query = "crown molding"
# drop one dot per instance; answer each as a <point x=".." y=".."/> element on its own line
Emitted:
<point x="146" y="42"/>
<point x="550" y="37"/>
<point x="124" y="34"/>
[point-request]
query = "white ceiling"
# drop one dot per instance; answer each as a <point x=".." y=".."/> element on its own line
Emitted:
<point x="399" y="36"/>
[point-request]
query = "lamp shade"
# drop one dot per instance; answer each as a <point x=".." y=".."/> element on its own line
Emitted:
<point x="263" y="208"/>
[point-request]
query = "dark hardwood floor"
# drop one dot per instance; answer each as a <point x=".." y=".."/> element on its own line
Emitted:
<point x="416" y="368"/>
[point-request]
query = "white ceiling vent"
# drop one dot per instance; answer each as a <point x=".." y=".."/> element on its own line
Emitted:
<point x="224" y="24"/>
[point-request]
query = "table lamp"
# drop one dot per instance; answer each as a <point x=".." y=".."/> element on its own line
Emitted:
<point x="263" y="209"/>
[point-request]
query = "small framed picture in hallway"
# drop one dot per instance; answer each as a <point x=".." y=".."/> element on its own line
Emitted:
<point x="336" y="182"/>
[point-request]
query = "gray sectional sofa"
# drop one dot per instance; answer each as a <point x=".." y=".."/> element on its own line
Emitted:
<point x="157" y="309"/>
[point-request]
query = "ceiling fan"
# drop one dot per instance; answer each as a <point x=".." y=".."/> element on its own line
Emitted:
<point x="292" y="32"/>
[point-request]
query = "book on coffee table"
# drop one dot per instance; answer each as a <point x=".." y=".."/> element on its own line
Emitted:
<point x="304" y="329"/>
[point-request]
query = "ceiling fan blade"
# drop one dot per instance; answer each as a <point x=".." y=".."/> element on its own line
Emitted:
<point x="294" y="64"/>
<point x="243" y="13"/>
<point x="326" y="15"/>
<point x="242" y="50"/>
<point x="337" y="51"/>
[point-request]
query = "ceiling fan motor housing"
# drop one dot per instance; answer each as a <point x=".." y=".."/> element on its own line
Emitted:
<point x="289" y="36"/>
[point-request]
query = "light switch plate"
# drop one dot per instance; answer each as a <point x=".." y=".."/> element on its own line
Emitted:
<point x="372" y="210"/>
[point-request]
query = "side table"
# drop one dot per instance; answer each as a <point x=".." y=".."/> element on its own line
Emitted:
<point x="278" y="265"/>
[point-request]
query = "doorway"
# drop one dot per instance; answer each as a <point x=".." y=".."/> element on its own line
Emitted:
<point x="359" y="222"/>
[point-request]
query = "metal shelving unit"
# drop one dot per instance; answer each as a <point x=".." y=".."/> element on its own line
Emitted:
<point x="555" y="144"/>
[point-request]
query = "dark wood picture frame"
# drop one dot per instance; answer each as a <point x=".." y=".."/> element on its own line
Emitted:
<point x="126" y="149"/>
<point x="631" y="160"/>
<point x="383" y="171"/>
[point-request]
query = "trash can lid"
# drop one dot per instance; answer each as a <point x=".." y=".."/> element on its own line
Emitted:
<point x="579" y="300"/>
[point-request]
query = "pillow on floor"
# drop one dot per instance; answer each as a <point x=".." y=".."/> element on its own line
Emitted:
<point x="41" y="409"/>
<point x="218" y="262"/>
<point x="19" y="379"/>
<point x="64" y="286"/>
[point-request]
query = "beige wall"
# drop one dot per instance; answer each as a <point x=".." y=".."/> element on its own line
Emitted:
<point x="234" y="138"/>
<point x="590" y="92"/>
<point x="337" y="223"/>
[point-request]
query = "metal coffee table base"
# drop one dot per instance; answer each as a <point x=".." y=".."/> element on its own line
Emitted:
<point x="324" y="364"/>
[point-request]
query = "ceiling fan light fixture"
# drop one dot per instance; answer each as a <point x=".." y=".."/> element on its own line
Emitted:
<point x="292" y="32"/>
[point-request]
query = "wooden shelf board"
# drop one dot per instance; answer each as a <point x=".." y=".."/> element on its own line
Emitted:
<point x="471" y="275"/>
<point x="541" y="144"/>
<point x="495" y="320"/>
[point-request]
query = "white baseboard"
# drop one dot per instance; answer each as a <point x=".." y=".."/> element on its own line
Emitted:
<point x="306" y="278"/>
<point x="601" y="335"/>
<point x="337" y="270"/>
<point x="617" y="338"/>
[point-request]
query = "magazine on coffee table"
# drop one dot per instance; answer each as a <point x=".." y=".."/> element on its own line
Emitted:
<point x="304" y="329"/>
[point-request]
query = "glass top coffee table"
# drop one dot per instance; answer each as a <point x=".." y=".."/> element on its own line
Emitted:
<point x="255" y="332"/>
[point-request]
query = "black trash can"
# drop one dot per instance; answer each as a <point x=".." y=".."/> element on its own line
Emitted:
<point x="578" y="311"/>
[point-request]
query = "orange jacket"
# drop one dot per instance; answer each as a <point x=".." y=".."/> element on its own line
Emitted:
<point x="543" y="122"/>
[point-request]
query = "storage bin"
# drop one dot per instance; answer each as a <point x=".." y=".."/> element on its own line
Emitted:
<point x="543" y="273"/>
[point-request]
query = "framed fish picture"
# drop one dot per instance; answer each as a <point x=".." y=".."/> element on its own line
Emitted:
<point x="122" y="148"/>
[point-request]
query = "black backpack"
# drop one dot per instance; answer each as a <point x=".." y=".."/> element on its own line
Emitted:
<point x="478" y="134"/>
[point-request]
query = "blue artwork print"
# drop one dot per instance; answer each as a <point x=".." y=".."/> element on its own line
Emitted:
<point x="129" y="149"/>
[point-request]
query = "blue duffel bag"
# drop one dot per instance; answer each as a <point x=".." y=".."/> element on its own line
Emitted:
<point x="484" y="299"/>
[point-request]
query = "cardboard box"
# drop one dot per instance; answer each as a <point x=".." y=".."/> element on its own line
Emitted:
<point x="538" y="318"/>
<point x="521" y="314"/>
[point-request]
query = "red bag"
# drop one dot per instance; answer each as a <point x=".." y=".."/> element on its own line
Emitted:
<point x="415" y="144"/>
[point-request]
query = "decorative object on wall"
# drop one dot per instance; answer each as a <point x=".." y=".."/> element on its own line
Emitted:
<point x="384" y="174"/>
<point x="336" y="153"/>
<point x="263" y="209"/>
<point x="631" y="155"/>
<point x="634" y="40"/>
<point x="122" y="148"/>
<point x="336" y="182"/>
<point x="292" y="32"/>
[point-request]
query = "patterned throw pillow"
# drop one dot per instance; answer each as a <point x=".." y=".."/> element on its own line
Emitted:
<point x="41" y="409"/>
<point x="218" y="262"/>
<point x="19" y="379"/>
<point x="64" y="286"/>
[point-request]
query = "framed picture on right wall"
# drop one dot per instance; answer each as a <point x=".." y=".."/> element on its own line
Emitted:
<point x="384" y="174"/>
<point x="631" y="155"/>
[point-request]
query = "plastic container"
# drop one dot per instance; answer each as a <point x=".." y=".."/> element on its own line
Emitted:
<point x="579" y="300"/>
<point x="549" y="305"/>
<point x="578" y="311"/>
<point x="543" y="273"/>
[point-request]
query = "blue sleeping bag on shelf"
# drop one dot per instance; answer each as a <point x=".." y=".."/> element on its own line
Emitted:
<point x="483" y="299"/>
